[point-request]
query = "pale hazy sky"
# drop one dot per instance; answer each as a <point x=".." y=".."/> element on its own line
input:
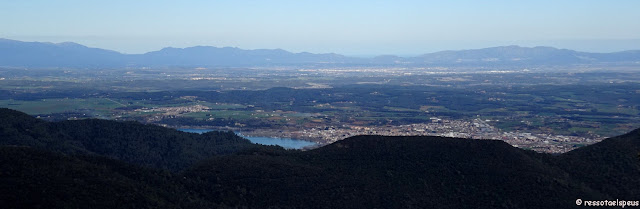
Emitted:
<point x="361" y="27"/>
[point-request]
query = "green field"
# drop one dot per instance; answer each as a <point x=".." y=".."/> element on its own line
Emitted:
<point x="50" y="106"/>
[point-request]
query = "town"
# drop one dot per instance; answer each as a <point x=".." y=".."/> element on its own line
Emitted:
<point x="476" y="129"/>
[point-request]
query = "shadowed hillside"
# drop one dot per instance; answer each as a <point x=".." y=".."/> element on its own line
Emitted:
<point x="32" y="178"/>
<point x="358" y="172"/>
<point x="132" y="142"/>
<point x="611" y="166"/>
<point x="394" y="172"/>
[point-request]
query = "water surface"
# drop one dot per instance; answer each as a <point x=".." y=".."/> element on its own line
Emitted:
<point x="283" y="142"/>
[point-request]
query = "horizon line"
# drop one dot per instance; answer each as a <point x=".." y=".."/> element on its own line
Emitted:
<point x="361" y="55"/>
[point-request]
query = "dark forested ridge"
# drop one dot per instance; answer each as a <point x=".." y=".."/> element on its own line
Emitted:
<point x="398" y="172"/>
<point x="132" y="142"/>
<point x="55" y="169"/>
<point x="33" y="178"/>
<point x="611" y="166"/>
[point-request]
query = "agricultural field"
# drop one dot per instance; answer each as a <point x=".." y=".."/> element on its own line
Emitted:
<point x="585" y="105"/>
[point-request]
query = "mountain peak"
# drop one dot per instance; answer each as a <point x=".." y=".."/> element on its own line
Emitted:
<point x="511" y="47"/>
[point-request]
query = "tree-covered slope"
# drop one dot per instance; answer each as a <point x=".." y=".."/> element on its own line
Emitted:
<point x="611" y="166"/>
<point x="33" y="178"/>
<point x="73" y="164"/>
<point x="132" y="142"/>
<point x="393" y="172"/>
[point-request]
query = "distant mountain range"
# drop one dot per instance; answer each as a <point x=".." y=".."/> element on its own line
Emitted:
<point x="50" y="55"/>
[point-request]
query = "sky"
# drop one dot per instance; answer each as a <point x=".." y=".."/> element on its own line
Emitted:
<point x="357" y="28"/>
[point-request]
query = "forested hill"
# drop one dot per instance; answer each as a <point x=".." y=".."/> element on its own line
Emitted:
<point x="35" y="178"/>
<point x="53" y="167"/>
<point x="611" y="166"/>
<point x="424" y="172"/>
<point x="132" y="142"/>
